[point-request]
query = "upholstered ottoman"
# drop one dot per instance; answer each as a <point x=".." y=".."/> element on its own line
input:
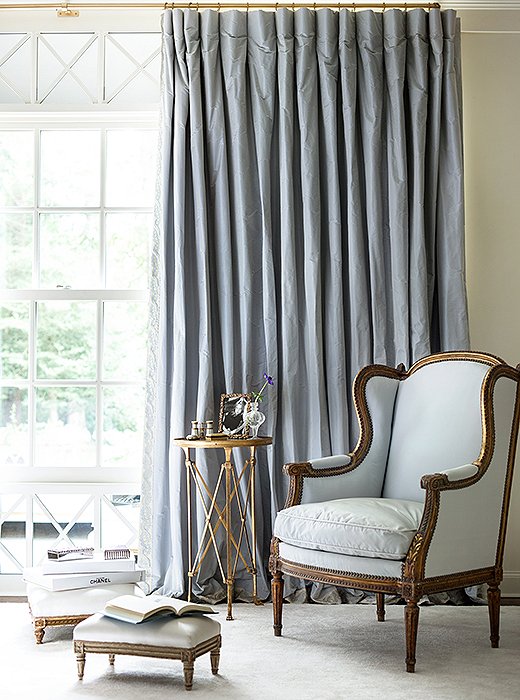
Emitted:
<point x="54" y="608"/>
<point x="184" y="638"/>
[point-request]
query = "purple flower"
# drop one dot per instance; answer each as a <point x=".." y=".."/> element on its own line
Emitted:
<point x="258" y="394"/>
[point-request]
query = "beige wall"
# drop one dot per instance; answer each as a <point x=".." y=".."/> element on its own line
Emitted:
<point x="491" y="83"/>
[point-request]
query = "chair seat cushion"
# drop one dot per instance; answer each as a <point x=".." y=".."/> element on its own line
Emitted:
<point x="365" y="527"/>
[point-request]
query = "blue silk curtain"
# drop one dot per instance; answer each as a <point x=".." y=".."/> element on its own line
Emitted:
<point x="309" y="222"/>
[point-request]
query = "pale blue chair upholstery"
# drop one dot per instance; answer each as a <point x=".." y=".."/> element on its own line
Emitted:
<point x="420" y="505"/>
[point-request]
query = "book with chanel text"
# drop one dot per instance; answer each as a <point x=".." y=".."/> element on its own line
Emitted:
<point x="65" y="582"/>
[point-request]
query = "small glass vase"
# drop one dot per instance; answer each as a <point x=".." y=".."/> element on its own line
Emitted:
<point x="253" y="419"/>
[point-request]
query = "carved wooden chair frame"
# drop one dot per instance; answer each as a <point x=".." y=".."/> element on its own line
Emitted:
<point x="413" y="584"/>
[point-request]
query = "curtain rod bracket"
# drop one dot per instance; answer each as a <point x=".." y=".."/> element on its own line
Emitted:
<point x="65" y="11"/>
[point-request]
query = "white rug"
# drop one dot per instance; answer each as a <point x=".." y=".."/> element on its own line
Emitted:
<point x="326" y="653"/>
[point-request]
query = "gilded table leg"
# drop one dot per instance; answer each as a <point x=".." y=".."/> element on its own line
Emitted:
<point x="190" y="526"/>
<point x="380" y="607"/>
<point x="411" y="618"/>
<point x="229" y="564"/>
<point x="252" y="469"/>
<point x="493" y="598"/>
<point x="277" y="595"/>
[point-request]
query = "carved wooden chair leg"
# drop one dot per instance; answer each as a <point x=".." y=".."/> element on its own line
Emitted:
<point x="493" y="598"/>
<point x="411" y="619"/>
<point x="277" y="595"/>
<point x="188" y="663"/>
<point x="380" y="607"/>
<point x="111" y="659"/>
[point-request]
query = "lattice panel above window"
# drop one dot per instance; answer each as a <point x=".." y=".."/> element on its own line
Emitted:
<point x="132" y="67"/>
<point x="80" y="68"/>
<point x="16" y="61"/>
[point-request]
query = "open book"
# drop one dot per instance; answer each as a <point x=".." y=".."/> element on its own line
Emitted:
<point x="130" y="608"/>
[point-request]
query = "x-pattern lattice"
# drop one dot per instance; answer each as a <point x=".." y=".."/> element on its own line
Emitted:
<point x="140" y="68"/>
<point x="79" y="67"/>
<point x="37" y="508"/>
<point x="4" y="59"/>
<point x="67" y="67"/>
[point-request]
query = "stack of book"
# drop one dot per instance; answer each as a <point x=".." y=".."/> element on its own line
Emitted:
<point x="84" y="568"/>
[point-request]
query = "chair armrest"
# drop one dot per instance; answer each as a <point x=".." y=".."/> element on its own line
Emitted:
<point x="447" y="478"/>
<point x="448" y="487"/>
<point x="316" y="468"/>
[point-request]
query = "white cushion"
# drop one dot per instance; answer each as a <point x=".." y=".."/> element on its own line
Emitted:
<point x="367" y="527"/>
<point x="340" y="562"/>
<point x="178" y="632"/>
<point x="80" y="601"/>
<point x="437" y="424"/>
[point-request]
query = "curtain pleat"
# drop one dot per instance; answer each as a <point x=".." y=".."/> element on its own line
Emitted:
<point x="309" y="222"/>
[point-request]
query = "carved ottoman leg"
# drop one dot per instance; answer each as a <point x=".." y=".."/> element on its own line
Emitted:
<point x="111" y="659"/>
<point x="80" y="658"/>
<point x="411" y="618"/>
<point x="215" y="660"/>
<point x="277" y="595"/>
<point x="380" y="607"/>
<point x="493" y="597"/>
<point x="188" y="663"/>
<point x="39" y="630"/>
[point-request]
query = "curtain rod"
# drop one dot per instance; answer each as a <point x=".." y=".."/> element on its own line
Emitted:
<point x="70" y="9"/>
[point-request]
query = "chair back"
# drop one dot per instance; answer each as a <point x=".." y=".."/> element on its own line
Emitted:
<point x="437" y="422"/>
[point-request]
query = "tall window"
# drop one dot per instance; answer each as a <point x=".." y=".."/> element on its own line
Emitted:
<point x="76" y="199"/>
<point x="75" y="219"/>
<point x="78" y="121"/>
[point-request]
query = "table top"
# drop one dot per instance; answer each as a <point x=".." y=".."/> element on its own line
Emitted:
<point x="223" y="442"/>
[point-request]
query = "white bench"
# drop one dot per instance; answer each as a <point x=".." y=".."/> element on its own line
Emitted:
<point x="184" y="638"/>
<point x="56" y="608"/>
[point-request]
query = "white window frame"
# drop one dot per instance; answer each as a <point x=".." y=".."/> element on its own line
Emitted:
<point x="102" y="120"/>
<point x="100" y="482"/>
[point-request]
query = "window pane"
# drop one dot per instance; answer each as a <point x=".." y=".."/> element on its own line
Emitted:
<point x="14" y="340"/>
<point x="123" y="410"/>
<point x="69" y="250"/>
<point x="16" y="251"/>
<point x="123" y="360"/>
<point x="66" y="340"/>
<point x="16" y="168"/>
<point x="128" y="237"/>
<point x="65" y="427"/>
<point x="131" y="158"/>
<point x="13" y="426"/>
<point x="70" y="168"/>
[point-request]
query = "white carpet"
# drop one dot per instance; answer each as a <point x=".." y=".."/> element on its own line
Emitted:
<point x="326" y="653"/>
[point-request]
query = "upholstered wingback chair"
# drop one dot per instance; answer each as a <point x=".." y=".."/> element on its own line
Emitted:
<point x="420" y="506"/>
